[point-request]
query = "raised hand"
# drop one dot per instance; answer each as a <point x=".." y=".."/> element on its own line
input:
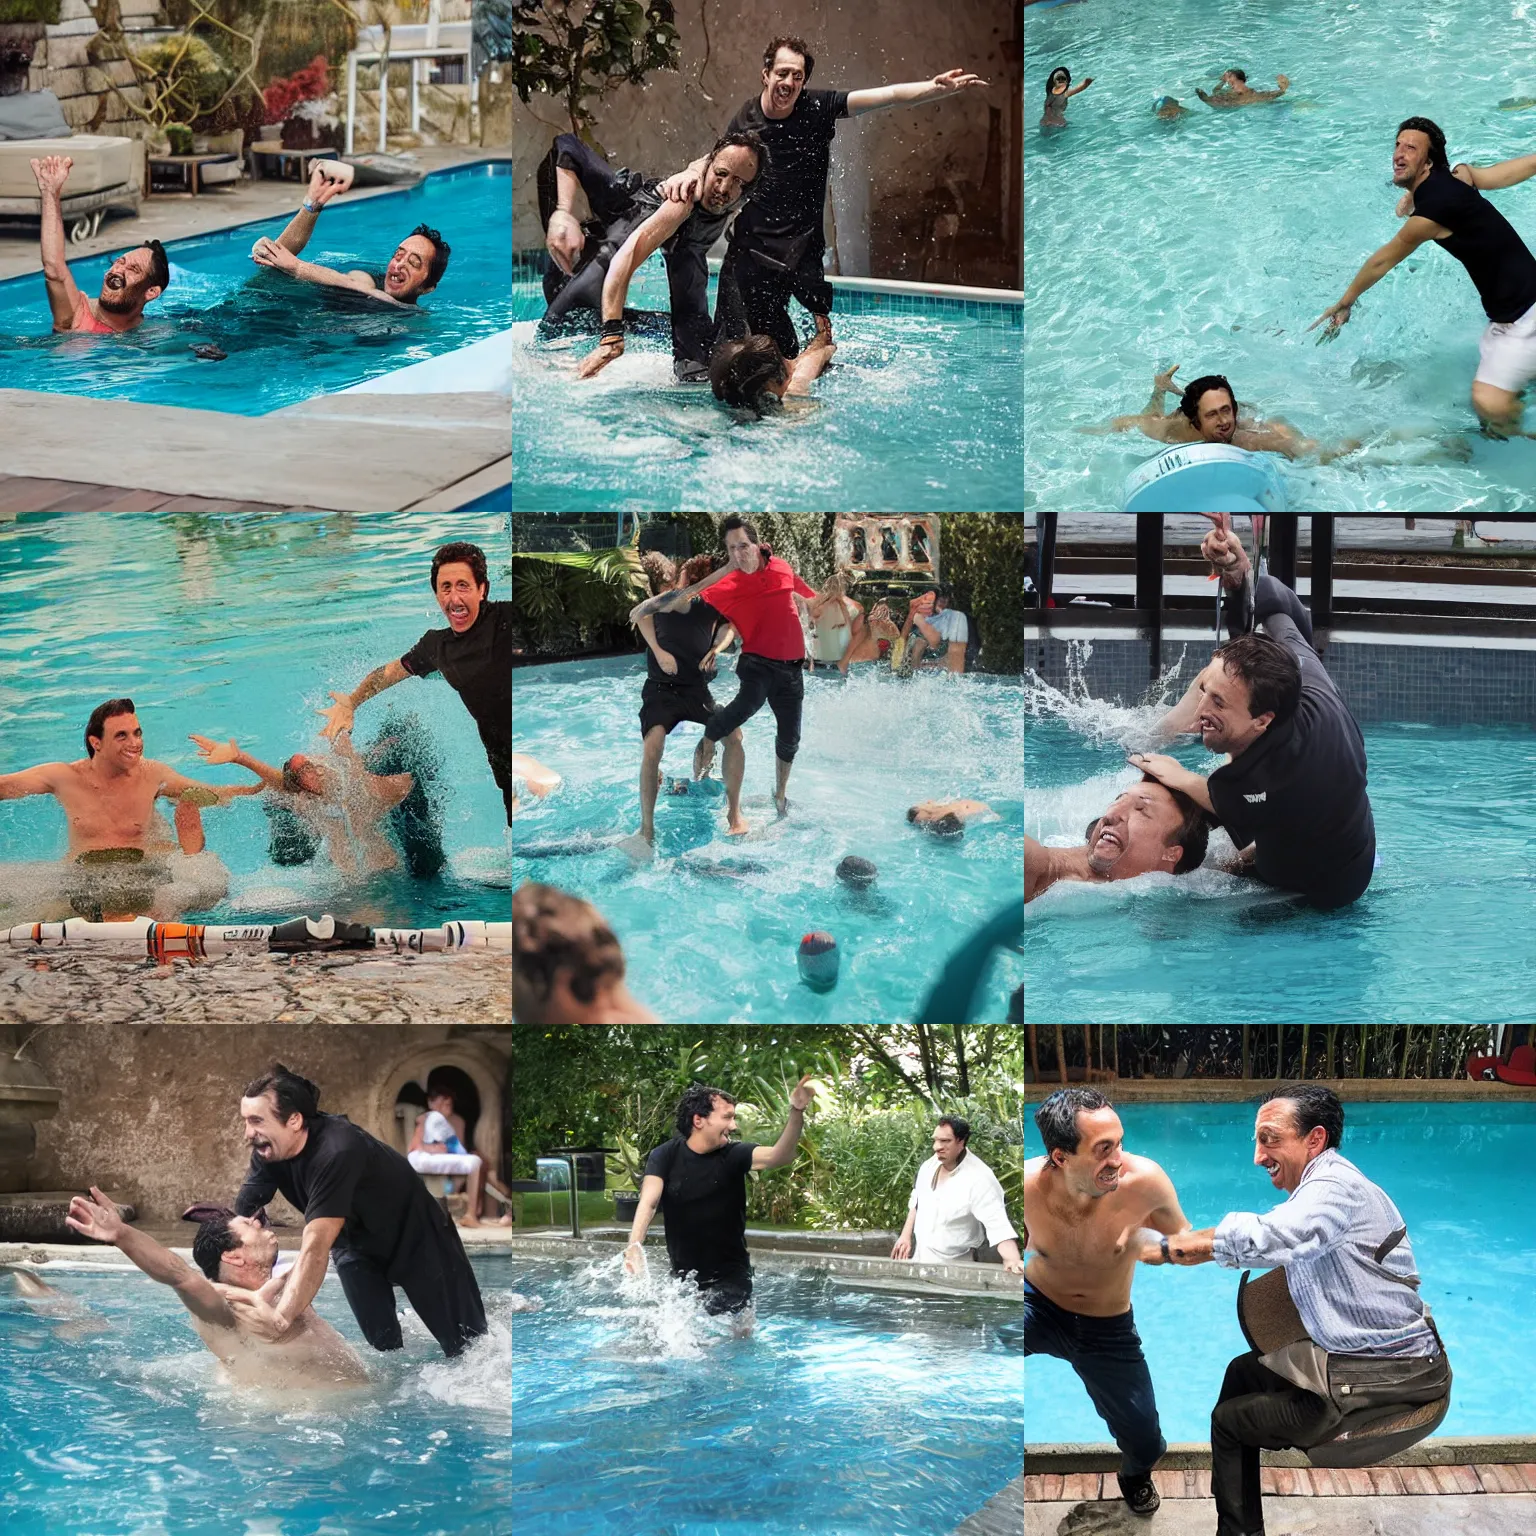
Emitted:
<point x="96" y="1217"/>
<point x="338" y="717"/>
<point x="956" y="80"/>
<point x="802" y="1093"/>
<point x="681" y="186"/>
<point x="215" y="751"/>
<point x="1165" y="379"/>
<point x="322" y="188"/>
<point x="51" y="172"/>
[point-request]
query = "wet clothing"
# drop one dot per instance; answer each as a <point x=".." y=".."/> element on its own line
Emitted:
<point x="394" y="1232"/>
<point x="1299" y="792"/>
<point x="477" y="665"/>
<point x="704" y="1207"/>
<point x="760" y="607"/>
<point x="667" y="700"/>
<point x="1506" y="353"/>
<point x="1497" y="260"/>
<point x="778" y="684"/>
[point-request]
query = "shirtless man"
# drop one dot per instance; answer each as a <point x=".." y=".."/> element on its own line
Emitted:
<point x="1146" y="830"/>
<point x="1086" y="1203"/>
<point x="1234" y="91"/>
<point x="948" y="818"/>
<point x="235" y="1254"/>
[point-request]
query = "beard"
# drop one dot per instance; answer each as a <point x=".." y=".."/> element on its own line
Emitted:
<point x="119" y="301"/>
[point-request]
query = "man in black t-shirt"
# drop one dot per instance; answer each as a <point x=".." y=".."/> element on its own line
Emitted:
<point x="366" y="1207"/>
<point x="777" y="243"/>
<point x="1446" y="205"/>
<point x="699" y="1181"/>
<point x="474" y="655"/>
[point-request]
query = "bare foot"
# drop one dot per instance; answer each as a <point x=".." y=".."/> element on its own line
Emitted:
<point x="738" y="826"/>
<point x="638" y="846"/>
<point x="469" y="1219"/>
<point x="781" y="803"/>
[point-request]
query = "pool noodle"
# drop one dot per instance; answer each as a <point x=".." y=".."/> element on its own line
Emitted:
<point x="197" y="941"/>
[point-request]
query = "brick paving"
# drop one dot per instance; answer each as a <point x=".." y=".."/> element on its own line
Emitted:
<point x="1301" y="1482"/>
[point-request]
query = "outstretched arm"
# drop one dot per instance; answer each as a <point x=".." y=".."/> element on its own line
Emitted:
<point x="782" y="1151"/>
<point x="675" y="602"/>
<point x="913" y="92"/>
<point x="807" y="368"/>
<point x="302" y="225"/>
<point x="42" y="780"/>
<point x="1415" y="231"/>
<point x="1507" y="173"/>
<point x="630" y="256"/>
<point x="51" y="172"/>
<point x="339" y="716"/>
<point x="229" y="752"/>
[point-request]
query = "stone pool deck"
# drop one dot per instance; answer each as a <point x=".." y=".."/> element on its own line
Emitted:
<point x="58" y="986"/>
<point x="999" y="1516"/>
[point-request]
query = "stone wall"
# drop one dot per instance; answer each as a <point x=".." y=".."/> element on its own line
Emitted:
<point x="60" y="65"/>
<point x="897" y="174"/>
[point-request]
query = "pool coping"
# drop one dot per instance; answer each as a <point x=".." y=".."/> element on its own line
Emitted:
<point x="1226" y="1090"/>
<point x="1065" y="1457"/>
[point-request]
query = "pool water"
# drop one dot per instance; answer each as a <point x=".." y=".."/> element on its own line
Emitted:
<point x="239" y="625"/>
<point x="918" y="412"/>
<point x="124" y="1430"/>
<point x="1214" y="241"/>
<point x="286" y="341"/>
<point x="1457" y="1174"/>
<point x="846" y="1414"/>
<point x="1454" y="831"/>
<point x="710" y="928"/>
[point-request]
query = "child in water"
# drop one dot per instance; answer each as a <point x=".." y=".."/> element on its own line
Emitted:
<point x="1059" y="90"/>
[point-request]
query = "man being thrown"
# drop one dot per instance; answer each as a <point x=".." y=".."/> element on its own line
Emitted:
<point x="1294" y="787"/>
<point x="699" y="1181"/>
<point x="236" y="1255"/>
<point x="1148" y="829"/>
<point x="416" y="267"/>
<point x="133" y="280"/>
<point x="1085" y="1204"/>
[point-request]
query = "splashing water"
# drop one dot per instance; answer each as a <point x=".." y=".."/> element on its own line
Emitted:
<point x="1103" y="722"/>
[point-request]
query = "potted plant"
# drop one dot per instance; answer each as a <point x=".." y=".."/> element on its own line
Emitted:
<point x="626" y="1163"/>
<point x="282" y="96"/>
<point x="179" y="137"/>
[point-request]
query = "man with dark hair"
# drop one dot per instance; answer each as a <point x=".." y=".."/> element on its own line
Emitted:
<point x="362" y="1204"/>
<point x="135" y="278"/>
<point x="1445" y="204"/>
<point x="236" y="1255"/>
<point x="778" y="242"/>
<point x="416" y="267"/>
<point x="940" y="627"/>
<point x="1292" y="794"/>
<point x="956" y="1206"/>
<point x="474" y="655"/>
<point x="1234" y="91"/>
<point x="1147" y="829"/>
<point x="590" y="266"/>
<point x="567" y="966"/>
<point x="1085" y="1205"/>
<point x="698" y="1179"/>
<point x="948" y="818"/>
<point x="1350" y="1273"/>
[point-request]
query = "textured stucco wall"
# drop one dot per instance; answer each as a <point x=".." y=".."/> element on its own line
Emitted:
<point x="887" y="166"/>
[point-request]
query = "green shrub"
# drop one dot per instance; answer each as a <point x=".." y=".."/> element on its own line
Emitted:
<point x="46" y="11"/>
<point x="982" y="555"/>
<point x="574" y="602"/>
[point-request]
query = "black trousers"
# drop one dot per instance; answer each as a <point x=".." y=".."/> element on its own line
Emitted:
<point x="1257" y="1410"/>
<point x="501" y="768"/>
<point x="780" y="685"/>
<point x="767" y="289"/>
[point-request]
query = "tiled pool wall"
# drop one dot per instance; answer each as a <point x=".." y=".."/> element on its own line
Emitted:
<point x="1427" y="683"/>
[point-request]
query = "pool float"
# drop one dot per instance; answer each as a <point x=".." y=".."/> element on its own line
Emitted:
<point x="818" y="961"/>
<point x="1520" y="1069"/>
<point x="1204" y="477"/>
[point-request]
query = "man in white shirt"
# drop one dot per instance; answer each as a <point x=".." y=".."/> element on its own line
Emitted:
<point x="942" y="629"/>
<point x="957" y="1205"/>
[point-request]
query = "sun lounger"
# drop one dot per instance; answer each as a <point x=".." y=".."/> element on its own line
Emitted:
<point x="100" y="178"/>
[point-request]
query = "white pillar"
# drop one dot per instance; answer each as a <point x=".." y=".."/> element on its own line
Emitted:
<point x="383" y="107"/>
<point x="351" y="98"/>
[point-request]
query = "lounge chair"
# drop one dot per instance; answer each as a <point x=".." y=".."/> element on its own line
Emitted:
<point x="32" y="125"/>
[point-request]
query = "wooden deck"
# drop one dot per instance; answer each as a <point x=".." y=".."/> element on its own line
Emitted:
<point x="1299" y="1482"/>
<point x="20" y="493"/>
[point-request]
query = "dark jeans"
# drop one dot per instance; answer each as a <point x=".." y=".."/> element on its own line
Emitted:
<point x="766" y="291"/>
<point x="1106" y="1354"/>
<point x="779" y="684"/>
<point x="1256" y="1410"/>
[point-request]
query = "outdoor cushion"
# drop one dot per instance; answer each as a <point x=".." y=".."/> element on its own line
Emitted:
<point x="100" y="162"/>
<point x="33" y="115"/>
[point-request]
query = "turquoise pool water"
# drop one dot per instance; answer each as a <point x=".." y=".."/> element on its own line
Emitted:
<point x="1454" y="829"/>
<point x="285" y="341"/>
<point x="919" y="411"/>
<point x="1215" y="240"/>
<point x="710" y="928"/>
<point x="847" y="1414"/>
<point x="123" y="1429"/>
<point x="238" y="625"/>
<point x="1458" y="1174"/>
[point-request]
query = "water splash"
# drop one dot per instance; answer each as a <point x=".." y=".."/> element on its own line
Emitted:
<point x="1104" y="722"/>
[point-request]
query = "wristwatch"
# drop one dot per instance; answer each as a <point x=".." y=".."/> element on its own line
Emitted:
<point x="1167" y="1257"/>
<point x="309" y="207"/>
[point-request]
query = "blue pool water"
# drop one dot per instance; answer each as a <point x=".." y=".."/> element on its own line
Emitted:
<point x="123" y="1429"/>
<point x="1454" y="829"/>
<point x="286" y="341"/>
<point x="238" y="625"/>
<point x="1214" y="241"/>
<point x="918" y="412"/>
<point x="710" y="928"/>
<point x="847" y="1414"/>
<point x="1458" y="1174"/>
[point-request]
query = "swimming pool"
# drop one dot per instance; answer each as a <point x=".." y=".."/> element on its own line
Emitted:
<point x="1456" y="1171"/>
<point x="918" y="412"/>
<point x="848" y="1413"/>
<point x="124" y="1430"/>
<point x="239" y="625"/>
<point x="710" y="927"/>
<point x="1454" y="829"/>
<point x="1214" y="241"/>
<point x="285" y="341"/>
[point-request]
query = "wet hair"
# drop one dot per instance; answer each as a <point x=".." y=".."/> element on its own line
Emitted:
<point x="1061" y="72"/>
<point x="291" y="780"/>
<point x="659" y="570"/>
<point x="1193" y="832"/>
<point x="947" y="825"/>
<point x="699" y="1100"/>
<point x="293" y="1095"/>
<point x="99" y="717"/>
<point x="856" y="871"/>
<point x="555" y="933"/>
<point x="461" y="554"/>
<point x="746" y="138"/>
<point x="795" y="45"/>
<point x="1431" y="130"/>
<point x="1312" y="1105"/>
<point x="741" y="371"/>
<point x="159" y="265"/>
<point x="440" y="254"/>
<point x="732" y="523"/>
<point x="1190" y="402"/>
<point x="1270" y="671"/>
<point x="213" y="1241"/>
<point x="1056" y="1118"/>
<point x="961" y="1129"/>
<point x="1238" y="74"/>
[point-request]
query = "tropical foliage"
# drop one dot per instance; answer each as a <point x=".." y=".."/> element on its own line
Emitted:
<point x="575" y="601"/>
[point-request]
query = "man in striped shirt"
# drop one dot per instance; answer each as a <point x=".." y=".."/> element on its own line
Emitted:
<point x="1350" y="1271"/>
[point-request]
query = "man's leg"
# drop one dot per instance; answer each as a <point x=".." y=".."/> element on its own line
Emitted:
<point x="1109" y="1361"/>
<point x="688" y="286"/>
<point x="753" y="677"/>
<point x="475" y="1192"/>
<point x="501" y="771"/>
<point x="650" y="770"/>
<point x="1499" y="410"/>
<point x="435" y="1274"/>
<point x="809" y="284"/>
<point x="786" y="700"/>
<point x="371" y="1297"/>
<point x="735" y="771"/>
<point x="763" y="293"/>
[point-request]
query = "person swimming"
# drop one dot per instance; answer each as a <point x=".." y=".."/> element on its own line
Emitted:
<point x="752" y="372"/>
<point x="1059" y="90"/>
<point x="1168" y="108"/>
<point x="1234" y="91"/>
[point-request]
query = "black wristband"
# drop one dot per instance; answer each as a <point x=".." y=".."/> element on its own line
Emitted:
<point x="613" y="330"/>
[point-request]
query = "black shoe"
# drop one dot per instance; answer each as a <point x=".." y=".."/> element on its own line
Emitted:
<point x="1140" y="1494"/>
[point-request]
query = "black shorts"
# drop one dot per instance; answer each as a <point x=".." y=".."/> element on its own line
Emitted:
<point x="730" y="1293"/>
<point x="668" y="704"/>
